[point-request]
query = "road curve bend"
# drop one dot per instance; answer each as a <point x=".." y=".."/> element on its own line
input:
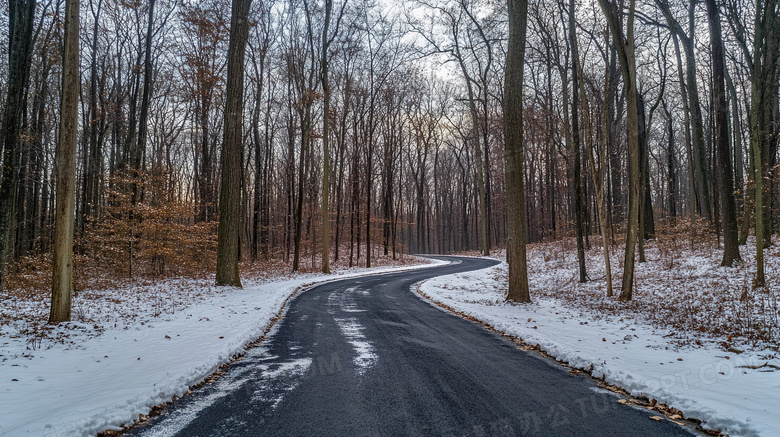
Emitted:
<point x="368" y="357"/>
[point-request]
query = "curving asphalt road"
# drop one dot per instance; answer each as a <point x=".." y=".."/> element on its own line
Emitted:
<point x="367" y="357"/>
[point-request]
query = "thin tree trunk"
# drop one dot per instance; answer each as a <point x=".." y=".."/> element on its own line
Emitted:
<point x="340" y="183"/>
<point x="692" y="194"/>
<point x="736" y="126"/>
<point x="643" y="155"/>
<point x="301" y="182"/>
<point x="671" y="182"/>
<point x="145" y="96"/>
<point x="483" y="219"/>
<point x="94" y="156"/>
<point x="575" y="132"/>
<point x="750" y="200"/>
<point x="257" y="207"/>
<point x="290" y="173"/>
<point x="596" y="172"/>
<point x="325" y="140"/>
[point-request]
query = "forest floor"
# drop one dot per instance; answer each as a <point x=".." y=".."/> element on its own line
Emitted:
<point x="134" y="344"/>
<point x="696" y="336"/>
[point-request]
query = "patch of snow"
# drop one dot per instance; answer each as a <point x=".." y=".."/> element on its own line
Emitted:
<point x="366" y="356"/>
<point x="280" y="378"/>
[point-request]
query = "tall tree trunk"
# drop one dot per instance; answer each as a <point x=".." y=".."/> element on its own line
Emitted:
<point x="62" y="273"/>
<point x="265" y="198"/>
<point x="205" y="183"/>
<point x="750" y="200"/>
<point x="726" y="185"/>
<point x="763" y="83"/>
<point x="575" y="134"/>
<point x="354" y="217"/>
<point x="597" y="172"/>
<point x="483" y="208"/>
<point x="701" y="179"/>
<point x="325" y="139"/>
<point x="369" y="185"/>
<point x="513" y="145"/>
<point x="39" y="127"/>
<point x="340" y="183"/>
<point x="145" y="96"/>
<point x="671" y="181"/>
<point x="626" y="55"/>
<point x="257" y="207"/>
<point x="229" y="232"/>
<point x="259" y="234"/>
<point x="289" y="172"/>
<point x="648" y="228"/>
<point x="614" y="108"/>
<point x="305" y="120"/>
<point x="643" y="155"/>
<point x="692" y="195"/>
<point x="736" y="126"/>
<point x="94" y="156"/>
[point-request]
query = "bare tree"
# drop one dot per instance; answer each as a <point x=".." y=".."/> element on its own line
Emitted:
<point x="597" y="169"/>
<point x="764" y="86"/>
<point x="624" y="43"/>
<point x="91" y="186"/>
<point x="687" y="40"/>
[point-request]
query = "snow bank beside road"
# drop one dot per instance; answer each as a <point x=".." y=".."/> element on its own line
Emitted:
<point x="103" y="381"/>
<point x="728" y="391"/>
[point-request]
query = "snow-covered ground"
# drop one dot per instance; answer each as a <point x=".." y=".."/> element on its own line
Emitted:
<point x="702" y="374"/>
<point x="84" y="378"/>
<point x="686" y="340"/>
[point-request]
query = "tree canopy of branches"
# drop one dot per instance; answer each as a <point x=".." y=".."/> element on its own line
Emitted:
<point x="346" y="131"/>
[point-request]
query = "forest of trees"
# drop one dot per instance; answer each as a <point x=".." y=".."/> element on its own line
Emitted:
<point x="359" y="128"/>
